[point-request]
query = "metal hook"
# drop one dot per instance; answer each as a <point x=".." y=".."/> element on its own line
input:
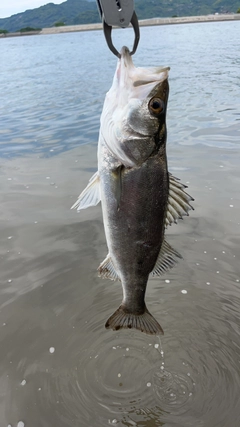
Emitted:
<point x="107" y="29"/>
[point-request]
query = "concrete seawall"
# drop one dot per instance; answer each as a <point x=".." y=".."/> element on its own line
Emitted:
<point x="147" y="22"/>
<point x="142" y="23"/>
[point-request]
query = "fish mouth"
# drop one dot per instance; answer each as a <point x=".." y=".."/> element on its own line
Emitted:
<point x="138" y="82"/>
<point x="126" y="57"/>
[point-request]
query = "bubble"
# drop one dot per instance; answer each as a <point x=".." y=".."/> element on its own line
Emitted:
<point x="149" y="384"/>
<point x="156" y="345"/>
<point x="231" y="206"/>
<point x="23" y="382"/>
<point x="51" y="350"/>
<point x="119" y="375"/>
<point x="184" y="291"/>
<point x="208" y="283"/>
<point x="20" y="424"/>
<point x="167" y="281"/>
<point x="10" y="237"/>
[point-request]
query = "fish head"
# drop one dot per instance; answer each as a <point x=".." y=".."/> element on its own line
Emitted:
<point x="134" y="113"/>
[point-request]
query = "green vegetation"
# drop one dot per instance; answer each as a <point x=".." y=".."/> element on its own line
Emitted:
<point x="27" y="29"/>
<point x="238" y="11"/>
<point x="3" y="31"/>
<point x="88" y="17"/>
<point x="59" y="24"/>
<point x="72" y="12"/>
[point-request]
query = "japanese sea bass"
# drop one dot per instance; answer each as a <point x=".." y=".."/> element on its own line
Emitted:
<point x="139" y="197"/>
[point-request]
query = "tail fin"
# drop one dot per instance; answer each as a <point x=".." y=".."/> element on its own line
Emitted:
<point x="143" y="322"/>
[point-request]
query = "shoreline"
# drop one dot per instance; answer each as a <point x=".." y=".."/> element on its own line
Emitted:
<point x="142" y="23"/>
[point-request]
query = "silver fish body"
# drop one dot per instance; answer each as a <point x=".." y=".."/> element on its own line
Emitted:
<point x="139" y="197"/>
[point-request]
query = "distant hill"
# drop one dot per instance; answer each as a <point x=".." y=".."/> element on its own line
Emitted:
<point x="73" y="12"/>
<point x="46" y="16"/>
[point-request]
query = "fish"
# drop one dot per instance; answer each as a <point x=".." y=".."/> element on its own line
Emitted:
<point x="139" y="197"/>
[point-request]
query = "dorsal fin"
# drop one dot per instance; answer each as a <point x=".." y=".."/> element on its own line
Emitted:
<point x="178" y="201"/>
<point x="167" y="258"/>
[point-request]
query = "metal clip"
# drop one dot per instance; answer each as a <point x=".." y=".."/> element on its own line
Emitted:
<point x="119" y="13"/>
<point x="116" y="12"/>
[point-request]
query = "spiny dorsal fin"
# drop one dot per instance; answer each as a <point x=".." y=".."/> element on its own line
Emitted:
<point x="90" y="196"/>
<point x="178" y="201"/>
<point x="106" y="269"/>
<point x="167" y="258"/>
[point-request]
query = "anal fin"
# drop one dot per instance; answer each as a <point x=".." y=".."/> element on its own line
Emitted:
<point x="106" y="269"/>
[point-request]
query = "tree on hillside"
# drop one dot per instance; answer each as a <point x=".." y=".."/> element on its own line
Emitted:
<point x="26" y="29"/>
<point x="59" y="24"/>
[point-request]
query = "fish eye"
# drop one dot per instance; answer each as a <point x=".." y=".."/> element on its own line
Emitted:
<point x="156" y="106"/>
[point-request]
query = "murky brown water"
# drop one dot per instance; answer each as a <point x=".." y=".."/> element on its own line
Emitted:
<point x="59" y="367"/>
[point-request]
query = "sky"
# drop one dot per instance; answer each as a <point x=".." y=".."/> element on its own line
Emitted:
<point x="10" y="7"/>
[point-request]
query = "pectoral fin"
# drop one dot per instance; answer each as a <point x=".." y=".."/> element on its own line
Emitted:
<point x="178" y="201"/>
<point x="167" y="258"/>
<point x="90" y="196"/>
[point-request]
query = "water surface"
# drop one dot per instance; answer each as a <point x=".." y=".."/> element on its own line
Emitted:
<point x="58" y="365"/>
